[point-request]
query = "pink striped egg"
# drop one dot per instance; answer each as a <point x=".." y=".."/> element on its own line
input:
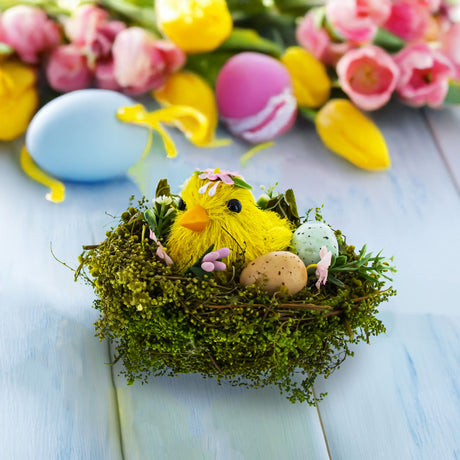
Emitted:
<point x="255" y="97"/>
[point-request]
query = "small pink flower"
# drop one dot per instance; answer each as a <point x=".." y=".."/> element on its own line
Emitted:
<point x="105" y="77"/>
<point x="322" y="266"/>
<point x="210" y="262"/>
<point x="369" y="76"/>
<point x="67" y="69"/>
<point x="142" y="63"/>
<point x="357" y="20"/>
<point x="424" y="75"/>
<point x="90" y="29"/>
<point x="161" y="252"/>
<point x="451" y="47"/>
<point x="409" y="19"/>
<point x="212" y="176"/>
<point x="29" y="32"/>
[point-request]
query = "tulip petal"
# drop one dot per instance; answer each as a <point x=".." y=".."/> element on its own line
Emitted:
<point x="312" y="85"/>
<point x="349" y="133"/>
<point x="187" y="89"/>
<point x="196" y="26"/>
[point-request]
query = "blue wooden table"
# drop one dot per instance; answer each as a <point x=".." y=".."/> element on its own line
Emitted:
<point x="398" y="398"/>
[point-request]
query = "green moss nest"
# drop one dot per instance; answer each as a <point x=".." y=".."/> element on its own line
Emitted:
<point x="164" y="323"/>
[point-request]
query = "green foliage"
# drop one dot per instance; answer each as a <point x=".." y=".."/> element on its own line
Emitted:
<point x="165" y="323"/>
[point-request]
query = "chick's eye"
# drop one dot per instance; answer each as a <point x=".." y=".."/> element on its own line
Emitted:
<point x="234" y="205"/>
<point x="181" y="205"/>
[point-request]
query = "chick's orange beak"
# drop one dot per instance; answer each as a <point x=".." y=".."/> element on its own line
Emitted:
<point x="195" y="219"/>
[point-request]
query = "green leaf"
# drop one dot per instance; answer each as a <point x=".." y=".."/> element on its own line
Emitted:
<point x="241" y="183"/>
<point x="295" y="7"/>
<point x="290" y="199"/>
<point x="453" y="94"/>
<point x="309" y="114"/>
<point x="389" y="41"/>
<point x="208" y="65"/>
<point x="151" y="219"/>
<point x="163" y="188"/>
<point x="5" y="50"/>
<point x="243" y="10"/>
<point x="250" y="40"/>
<point x="339" y="261"/>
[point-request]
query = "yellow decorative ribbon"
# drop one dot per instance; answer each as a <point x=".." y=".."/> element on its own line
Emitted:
<point x="57" y="188"/>
<point x="170" y="115"/>
<point x="250" y="153"/>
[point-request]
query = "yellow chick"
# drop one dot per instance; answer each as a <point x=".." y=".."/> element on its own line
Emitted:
<point x="216" y="208"/>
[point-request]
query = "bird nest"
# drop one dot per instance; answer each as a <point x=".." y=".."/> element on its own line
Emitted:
<point x="162" y="320"/>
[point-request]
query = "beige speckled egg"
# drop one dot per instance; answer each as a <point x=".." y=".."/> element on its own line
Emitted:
<point x="274" y="270"/>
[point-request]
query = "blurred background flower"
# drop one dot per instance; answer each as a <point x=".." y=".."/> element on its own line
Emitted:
<point x="289" y="53"/>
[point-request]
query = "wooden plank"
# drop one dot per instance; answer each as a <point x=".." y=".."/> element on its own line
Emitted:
<point x="198" y="419"/>
<point x="57" y="398"/>
<point x="399" y="398"/>
<point x="445" y="127"/>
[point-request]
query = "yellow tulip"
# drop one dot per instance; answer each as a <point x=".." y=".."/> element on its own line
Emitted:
<point x="196" y="26"/>
<point x="189" y="90"/>
<point x="349" y="133"/>
<point x="312" y="85"/>
<point x="18" y="98"/>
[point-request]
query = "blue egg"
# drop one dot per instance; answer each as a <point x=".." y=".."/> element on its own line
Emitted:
<point x="78" y="137"/>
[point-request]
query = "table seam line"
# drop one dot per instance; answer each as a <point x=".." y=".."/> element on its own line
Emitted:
<point x="322" y="426"/>
<point x="117" y="404"/>
<point x="440" y="149"/>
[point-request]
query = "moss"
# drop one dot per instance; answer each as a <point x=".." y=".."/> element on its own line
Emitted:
<point x="165" y="323"/>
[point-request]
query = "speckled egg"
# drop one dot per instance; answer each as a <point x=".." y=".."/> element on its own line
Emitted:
<point x="310" y="237"/>
<point x="78" y="137"/>
<point x="255" y="97"/>
<point x="274" y="270"/>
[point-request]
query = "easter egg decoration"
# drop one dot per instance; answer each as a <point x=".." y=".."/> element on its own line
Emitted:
<point x="274" y="270"/>
<point x="95" y="135"/>
<point x="310" y="237"/>
<point x="255" y="97"/>
<point x="78" y="137"/>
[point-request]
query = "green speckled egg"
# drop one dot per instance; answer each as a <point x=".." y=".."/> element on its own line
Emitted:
<point x="310" y="237"/>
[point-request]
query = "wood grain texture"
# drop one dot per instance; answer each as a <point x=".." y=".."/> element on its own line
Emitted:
<point x="445" y="125"/>
<point x="398" y="398"/>
<point x="57" y="400"/>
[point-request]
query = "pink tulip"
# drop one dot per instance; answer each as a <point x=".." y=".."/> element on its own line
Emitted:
<point x="316" y="40"/>
<point x="68" y="70"/>
<point x="409" y="19"/>
<point x="142" y="63"/>
<point x="29" y="32"/>
<point x="451" y="47"/>
<point x="424" y="75"/>
<point x="90" y="29"/>
<point x="357" y="20"/>
<point x="105" y="77"/>
<point x="369" y="76"/>
<point x="313" y="38"/>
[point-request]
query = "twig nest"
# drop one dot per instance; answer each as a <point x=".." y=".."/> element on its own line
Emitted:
<point x="310" y="237"/>
<point x="276" y="270"/>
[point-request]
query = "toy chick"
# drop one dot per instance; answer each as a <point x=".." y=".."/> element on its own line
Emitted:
<point x="217" y="208"/>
